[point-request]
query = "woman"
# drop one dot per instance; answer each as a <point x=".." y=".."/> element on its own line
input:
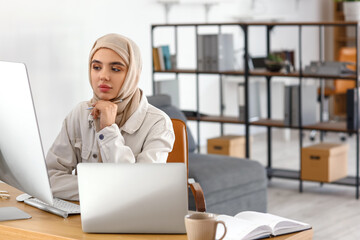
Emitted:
<point x="116" y="125"/>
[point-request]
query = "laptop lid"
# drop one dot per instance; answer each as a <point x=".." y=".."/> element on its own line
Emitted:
<point x="133" y="198"/>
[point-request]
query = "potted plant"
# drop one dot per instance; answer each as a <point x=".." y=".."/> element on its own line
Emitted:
<point x="351" y="9"/>
<point x="274" y="63"/>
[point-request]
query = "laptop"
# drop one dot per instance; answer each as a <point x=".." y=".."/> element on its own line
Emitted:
<point x="133" y="198"/>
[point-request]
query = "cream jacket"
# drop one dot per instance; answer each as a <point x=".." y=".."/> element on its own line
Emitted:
<point x="147" y="136"/>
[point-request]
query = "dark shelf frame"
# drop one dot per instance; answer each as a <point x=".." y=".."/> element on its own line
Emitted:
<point x="270" y="123"/>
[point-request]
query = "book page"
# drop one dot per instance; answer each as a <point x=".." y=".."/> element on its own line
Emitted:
<point x="241" y="229"/>
<point x="280" y="225"/>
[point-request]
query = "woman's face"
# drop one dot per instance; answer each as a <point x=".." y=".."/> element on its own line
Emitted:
<point x="108" y="73"/>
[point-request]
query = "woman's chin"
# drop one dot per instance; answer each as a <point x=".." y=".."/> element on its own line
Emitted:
<point x="105" y="97"/>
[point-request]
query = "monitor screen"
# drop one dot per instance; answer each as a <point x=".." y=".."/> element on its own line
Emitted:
<point x="22" y="161"/>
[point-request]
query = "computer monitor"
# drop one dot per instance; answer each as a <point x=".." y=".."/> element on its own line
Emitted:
<point x="22" y="160"/>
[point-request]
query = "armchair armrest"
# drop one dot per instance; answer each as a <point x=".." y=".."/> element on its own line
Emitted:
<point x="198" y="195"/>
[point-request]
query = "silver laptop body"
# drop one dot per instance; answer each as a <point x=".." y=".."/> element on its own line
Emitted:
<point x="133" y="198"/>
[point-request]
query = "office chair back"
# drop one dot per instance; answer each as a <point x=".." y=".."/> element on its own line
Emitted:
<point x="179" y="154"/>
<point x="180" y="148"/>
<point x="347" y="54"/>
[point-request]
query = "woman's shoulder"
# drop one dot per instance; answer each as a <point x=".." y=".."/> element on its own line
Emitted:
<point x="79" y="111"/>
<point x="157" y="113"/>
<point x="159" y="117"/>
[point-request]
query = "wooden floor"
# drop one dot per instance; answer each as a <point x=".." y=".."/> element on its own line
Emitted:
<point x="332" y="210"/>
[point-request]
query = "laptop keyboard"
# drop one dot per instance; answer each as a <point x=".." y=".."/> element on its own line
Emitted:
<point x="60" y="207"/>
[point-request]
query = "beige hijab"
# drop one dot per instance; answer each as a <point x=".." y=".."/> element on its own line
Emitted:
<point x="129" y="93"/>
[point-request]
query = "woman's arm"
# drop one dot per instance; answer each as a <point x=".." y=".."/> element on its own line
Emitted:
<point x="112" y="146"/>
<point x="159" y="142"/>
<point x="156" y="143"/>
<point x="61" y="160"/>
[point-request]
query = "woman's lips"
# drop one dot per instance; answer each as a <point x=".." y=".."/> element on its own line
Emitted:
<point x="104" y="88"/>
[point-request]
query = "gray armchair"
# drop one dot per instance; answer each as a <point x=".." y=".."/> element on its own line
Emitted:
<point x="230" y="185"/>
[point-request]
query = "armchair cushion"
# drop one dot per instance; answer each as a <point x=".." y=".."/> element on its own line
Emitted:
<point x="227" y="181"/>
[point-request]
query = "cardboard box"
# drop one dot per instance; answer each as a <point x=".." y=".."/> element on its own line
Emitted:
<point x="230" y="145"/>
<point x="324" y="162"/>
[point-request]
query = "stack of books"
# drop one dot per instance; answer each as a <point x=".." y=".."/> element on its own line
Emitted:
<point x="162" y="58"/>
<point x="292" y="104"/>
<point x="215" y="52"/>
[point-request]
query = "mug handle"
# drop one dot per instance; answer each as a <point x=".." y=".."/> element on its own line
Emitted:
<point x="222" y="222"/>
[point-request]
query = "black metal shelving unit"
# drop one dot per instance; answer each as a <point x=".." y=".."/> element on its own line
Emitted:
<point x="270" y="123"/>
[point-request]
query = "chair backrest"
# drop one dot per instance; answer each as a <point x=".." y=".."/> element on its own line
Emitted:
<point x="180" y="148"/>
<point x="347" y="54"/>
<point x="180" y="154"/>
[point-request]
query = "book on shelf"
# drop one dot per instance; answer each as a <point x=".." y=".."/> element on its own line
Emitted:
<point x="287" y="106"/>
<point x="352" y="96"/>
<point x="255" y="225"/>
<point x="162" y="58"/>
<point x="166" y="57"/>
<point x="215" y="52"/>
<point x="156" y="60"/>
<point x="308" y="106"/>
<point x="254" y="101"/>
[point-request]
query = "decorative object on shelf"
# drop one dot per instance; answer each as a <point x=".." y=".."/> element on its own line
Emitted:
<point x="230" y="145"/>
<point x="329" y="68"/>
<point x="274" y="63"/>
<point x="351" y="9"/>
<point x="278" y="60"/>
<point x="324" y="162"/>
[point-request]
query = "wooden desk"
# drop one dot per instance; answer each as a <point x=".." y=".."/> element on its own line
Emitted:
<point x="45" y="226"/>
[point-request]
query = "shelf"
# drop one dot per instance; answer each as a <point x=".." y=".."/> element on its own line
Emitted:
<point x="259" y="73"/>
<point x="281" y="173"/>
<point x="248" y="75"/>
<point x="193" y="71"/>
<point x="269" y="123"/>
<point x="330" y="127"/>
<point x="295" y="175"/>
<point x="321" y="126"/>
<point x="217" y="119"/>
<point x="350" y="181"/>
<point x="270" y="24"/>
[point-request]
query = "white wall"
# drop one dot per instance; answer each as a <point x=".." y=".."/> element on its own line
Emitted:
<point x="54" y="38"/>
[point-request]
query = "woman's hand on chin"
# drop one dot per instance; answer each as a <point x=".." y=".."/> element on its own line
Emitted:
<point x="106" y="111"/>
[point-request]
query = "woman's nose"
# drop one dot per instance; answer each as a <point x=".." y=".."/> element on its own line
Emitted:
<point x="104" y="75"/>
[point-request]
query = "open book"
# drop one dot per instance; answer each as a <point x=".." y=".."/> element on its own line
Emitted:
<point x="255" y="225"/>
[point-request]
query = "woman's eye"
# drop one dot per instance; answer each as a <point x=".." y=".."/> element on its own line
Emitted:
<point x="96" y="67"/>
<point x="116" y="69"/>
